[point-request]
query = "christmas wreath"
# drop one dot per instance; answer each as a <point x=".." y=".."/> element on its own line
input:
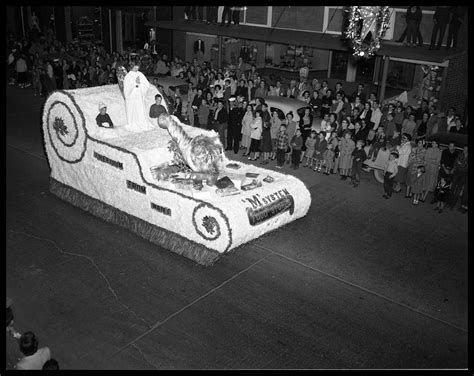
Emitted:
<point x="366" y="26"/>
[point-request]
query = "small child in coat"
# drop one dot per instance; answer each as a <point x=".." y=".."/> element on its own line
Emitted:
<point x="390" y="172"/>
<point x="328" y="156"/>
<point x="319" y="149"/>
<point x="418" y="184"/>
<point x="310" y="144"/>
<point x="358" y="158"/>
<point x="441" y="193"/>
<point x="296" y="144"/>
<point x="282" y="144"/>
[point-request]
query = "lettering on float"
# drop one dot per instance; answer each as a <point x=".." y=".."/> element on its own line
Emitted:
<point x="266" y="207"/>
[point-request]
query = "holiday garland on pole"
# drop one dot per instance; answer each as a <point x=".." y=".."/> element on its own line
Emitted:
<point x="367" y="25"/>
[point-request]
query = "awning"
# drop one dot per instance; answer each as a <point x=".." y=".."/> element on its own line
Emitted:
<point x="303" y="38"/>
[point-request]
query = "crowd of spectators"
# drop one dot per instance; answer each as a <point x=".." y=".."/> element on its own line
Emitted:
<point x="350" y="127"/>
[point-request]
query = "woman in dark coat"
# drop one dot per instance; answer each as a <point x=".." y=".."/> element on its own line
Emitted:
<point x="305" y="124"/>
<point x="266" y="146"/>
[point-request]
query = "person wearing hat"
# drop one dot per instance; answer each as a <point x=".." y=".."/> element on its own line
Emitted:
<point x="390" y="172"/>
<point x="103" y="119"/>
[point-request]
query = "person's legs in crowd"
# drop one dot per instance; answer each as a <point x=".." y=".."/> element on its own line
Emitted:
<point x="295" y="159"/>
<point x="456" y="28"/>
<point x="189" y="13"/>
<point x="456" y="188"/>
<point x="419" y="37"/>
<point x="403" y="36"/>
<point x="387" y="185"/>
<point x="200" y="13"/>
<point x="226" y="13"/>
<point x="464" y="197"/>
<point x="280" y="156"/>
<point x="236" y="16"/>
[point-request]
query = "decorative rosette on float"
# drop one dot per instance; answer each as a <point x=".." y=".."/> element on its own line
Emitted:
<point x="66" y="128"/>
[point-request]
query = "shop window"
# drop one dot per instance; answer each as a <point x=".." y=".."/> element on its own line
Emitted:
<point x="365" y="70"/>
<point x="339" y="65"/>
<point x="256" y="15"/>
<point x="400" y="75"/>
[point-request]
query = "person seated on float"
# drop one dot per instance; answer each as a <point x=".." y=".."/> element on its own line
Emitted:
<point x="157" y="108"/>
<point x="103" y="119"/>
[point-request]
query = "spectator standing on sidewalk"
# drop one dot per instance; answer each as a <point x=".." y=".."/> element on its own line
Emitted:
<point x="21" y="71"/>
<point x="432" y="160"/>
<point x="346" y="148"/>
<point x="460" y="177"/>
<point x="358" y="158"/>
<point x="389" y="174"/>
<point x="296" y="144"/>
<point x="282" y="145"/>
<point x="404" y="151"/>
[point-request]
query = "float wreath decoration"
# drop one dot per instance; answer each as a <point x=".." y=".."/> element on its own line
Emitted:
<point x="367" y="25"/>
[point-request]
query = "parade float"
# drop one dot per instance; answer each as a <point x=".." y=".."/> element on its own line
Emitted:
<point x="172" y="184"/>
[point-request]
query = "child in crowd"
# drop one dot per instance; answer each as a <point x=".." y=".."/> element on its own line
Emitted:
<point x="320" y="148"/>
<point x="309" y="153"/>
<point x="325" y="123"/>
<point x="441" y="193"/>
<point x="417" y="184"/>
<point x="296" y="146"/>
<point x="358" y="158"/>
<point x="390" y="172"/>
<point x="379" y="142"/>
<point x="328" y="156"/>
<point x="282" y="145"/>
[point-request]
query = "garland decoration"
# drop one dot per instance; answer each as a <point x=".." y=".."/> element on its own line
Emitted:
<point x="366" y="27"/>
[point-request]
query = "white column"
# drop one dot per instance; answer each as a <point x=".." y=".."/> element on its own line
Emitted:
<point x="118" y="30"/>
<point x="329" y="63"/>
<point x="384" y="78"/>
<point x="67" y="21"/>
<point x="22" y="21"/>
<point x="110" y="30"/>
<point x="351" y="68"/>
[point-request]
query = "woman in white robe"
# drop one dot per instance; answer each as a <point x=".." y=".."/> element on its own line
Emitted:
<point x="135" y="86"/>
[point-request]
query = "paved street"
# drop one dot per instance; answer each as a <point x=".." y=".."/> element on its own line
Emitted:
<point x="360" y="282"/>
